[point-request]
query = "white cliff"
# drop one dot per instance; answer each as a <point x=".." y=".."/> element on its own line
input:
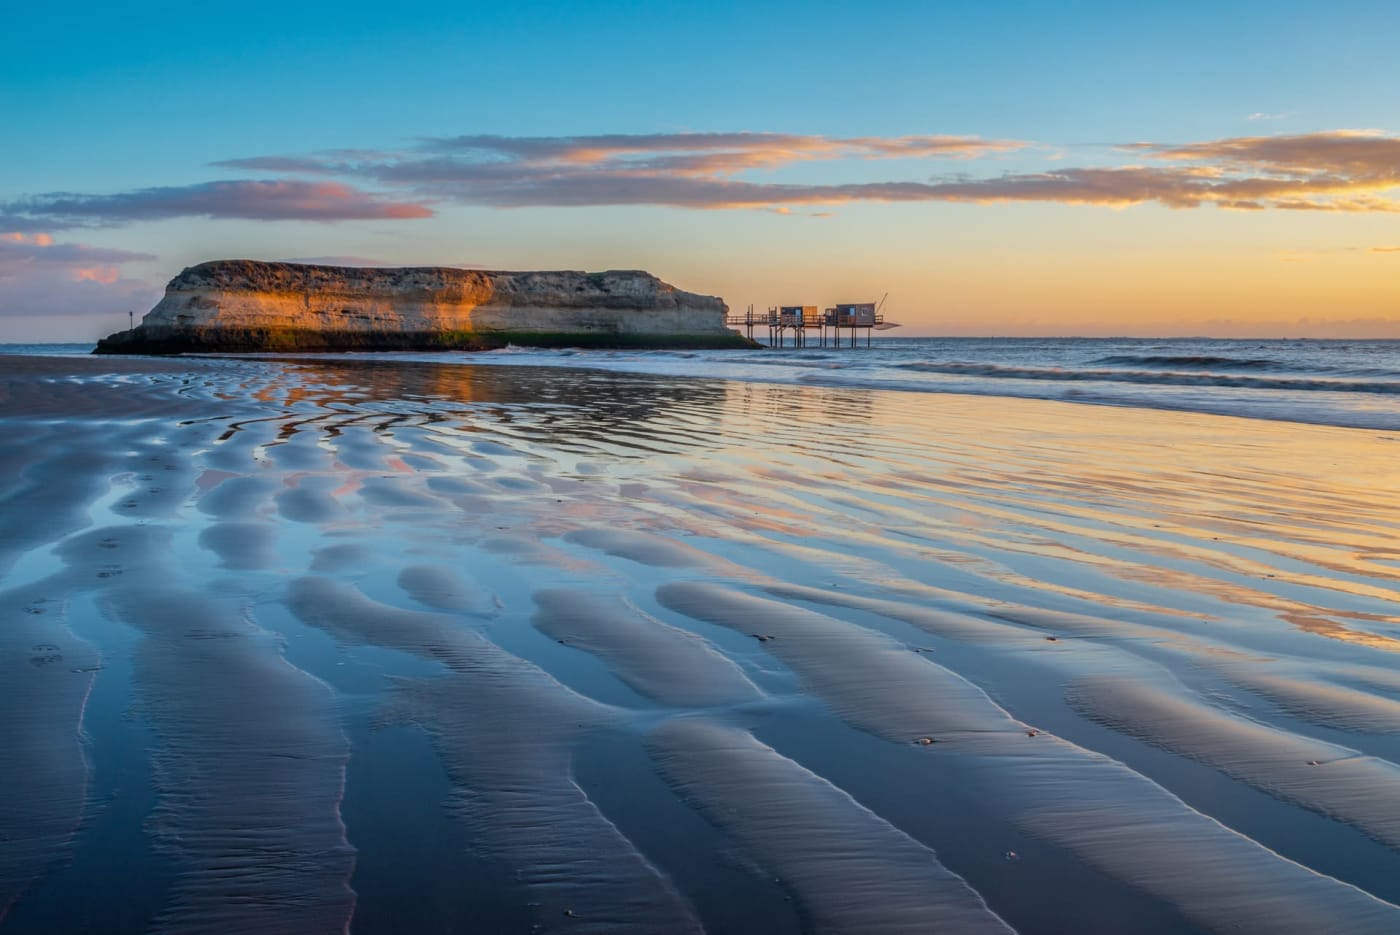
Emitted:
<point x="246" y="305"/>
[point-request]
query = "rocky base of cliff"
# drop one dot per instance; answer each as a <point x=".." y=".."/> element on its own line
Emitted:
<point x="262" y="340"/>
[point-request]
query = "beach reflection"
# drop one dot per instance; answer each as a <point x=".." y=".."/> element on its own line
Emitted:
<point x="608" y="646"/>
<point x="554" y="407"/>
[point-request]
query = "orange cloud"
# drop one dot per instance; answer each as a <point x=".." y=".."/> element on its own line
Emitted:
<point x="1339" y="171"/>
<point x="1343" y="205"/>
<point x="37" y="240"/>
<point x="1354" y="152"/>
<point x="484" y="159"/>
<point x="103" y="274"/>
<point x="675" y="153"/>
<point x="724" y="149"/>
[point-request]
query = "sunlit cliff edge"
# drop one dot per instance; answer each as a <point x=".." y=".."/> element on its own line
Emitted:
<point x="247" y="305"/>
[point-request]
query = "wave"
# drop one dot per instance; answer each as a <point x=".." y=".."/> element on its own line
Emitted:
<point x="1354" y="390"/>
<point x="1194" y="360"/>
<point x="1164" y="378"/>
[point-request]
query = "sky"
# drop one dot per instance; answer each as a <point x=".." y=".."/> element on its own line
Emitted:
<point x="1004" y="168"/>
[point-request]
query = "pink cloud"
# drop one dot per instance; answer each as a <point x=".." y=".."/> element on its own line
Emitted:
<point x="36" y="240"/>
<point x="43" y="278"/>
<point x="20" y="252"/>
<point x="340" y="260"/>
<point x="1339" y="171"/>
<point x="1346" y="171"/>
<point x="765" y="149"/>
<point x="103" y="274"/>
<point x="40" y="294"/>
<point x="273" y="200"/>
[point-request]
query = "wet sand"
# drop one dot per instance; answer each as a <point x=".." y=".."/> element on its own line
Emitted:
<point x="374" y="646"/>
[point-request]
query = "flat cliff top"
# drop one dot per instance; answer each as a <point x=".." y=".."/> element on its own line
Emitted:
<point x="269" y="275"/>
<point x="611" y="288"/>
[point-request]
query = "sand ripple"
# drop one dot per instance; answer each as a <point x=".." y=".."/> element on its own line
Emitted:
<point x="849" y="870"/>
<point x="648" y="644"/>
<point x="659" y="661"/>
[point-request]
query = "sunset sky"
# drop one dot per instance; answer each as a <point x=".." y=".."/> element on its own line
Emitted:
<point x="1010" y="168"/>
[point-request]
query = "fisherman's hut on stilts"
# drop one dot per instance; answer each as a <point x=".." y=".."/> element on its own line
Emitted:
<point x="854" y="317"/>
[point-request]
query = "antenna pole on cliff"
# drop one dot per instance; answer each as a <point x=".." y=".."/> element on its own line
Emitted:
<point x="131" y="318"/>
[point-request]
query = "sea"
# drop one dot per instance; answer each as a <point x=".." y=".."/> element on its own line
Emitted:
<point x="1352" y="383"/>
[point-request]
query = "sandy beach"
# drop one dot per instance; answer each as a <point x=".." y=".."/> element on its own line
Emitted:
<point x="317" y="646"/>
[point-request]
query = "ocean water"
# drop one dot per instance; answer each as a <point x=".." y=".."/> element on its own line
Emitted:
<point x="1345" y="383"/>
<point x="47" y="350"/>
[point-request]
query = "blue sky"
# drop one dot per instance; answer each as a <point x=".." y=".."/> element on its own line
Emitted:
<point x="105" y="101"/>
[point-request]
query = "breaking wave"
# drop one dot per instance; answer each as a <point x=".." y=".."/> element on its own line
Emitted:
<point x="1165" y="378"/>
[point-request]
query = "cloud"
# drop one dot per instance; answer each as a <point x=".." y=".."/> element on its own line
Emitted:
<point x="1338" y="171"/>
<point x="17" y="224"/>
<point x="1364" y="152"/>
<point x="1384" y="250"/>
<point x="349" y="260"/>
<point x="1346" y="171"/>
<point x="307" y="164"/>
<point x="40" y="277"/>
<point x="273" y="200"/>
<point x="20" y="252"/>
<point x="46" y="294"/>
<point x="484" y="158"/>
<point x="343" y="260"/>
<point x="42" y="240"/>
<point x="1260" y="115"/>
<point x="1341" y="205"/>
<point x="722" y="150"/>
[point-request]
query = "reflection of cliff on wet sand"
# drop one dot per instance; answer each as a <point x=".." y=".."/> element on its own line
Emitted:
<point x="564" y="406"/>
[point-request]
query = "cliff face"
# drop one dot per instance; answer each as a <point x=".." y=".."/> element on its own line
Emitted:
<point x="244" y="305"/>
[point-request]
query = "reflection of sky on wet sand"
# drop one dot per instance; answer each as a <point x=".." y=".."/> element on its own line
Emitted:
<point x="496" y="574"/>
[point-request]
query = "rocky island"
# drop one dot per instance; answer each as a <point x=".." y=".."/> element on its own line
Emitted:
<point x="247" y="305"/>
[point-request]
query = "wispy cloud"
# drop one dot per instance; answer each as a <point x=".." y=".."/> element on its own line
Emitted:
<point x="1260" y="115"/>
<point x="21" y="252"/>
<point x="351" y="260"/>
<point x="1384" y="250"/>
<point x="342" y="260"/>
<point x="1369" y="153"/>
<point x="716" y="152"/>
<point x="1337" y="171"/>
<point x="39" y="276"/>
<point x="272" y="200"/>
<point x="487" y="158"/>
